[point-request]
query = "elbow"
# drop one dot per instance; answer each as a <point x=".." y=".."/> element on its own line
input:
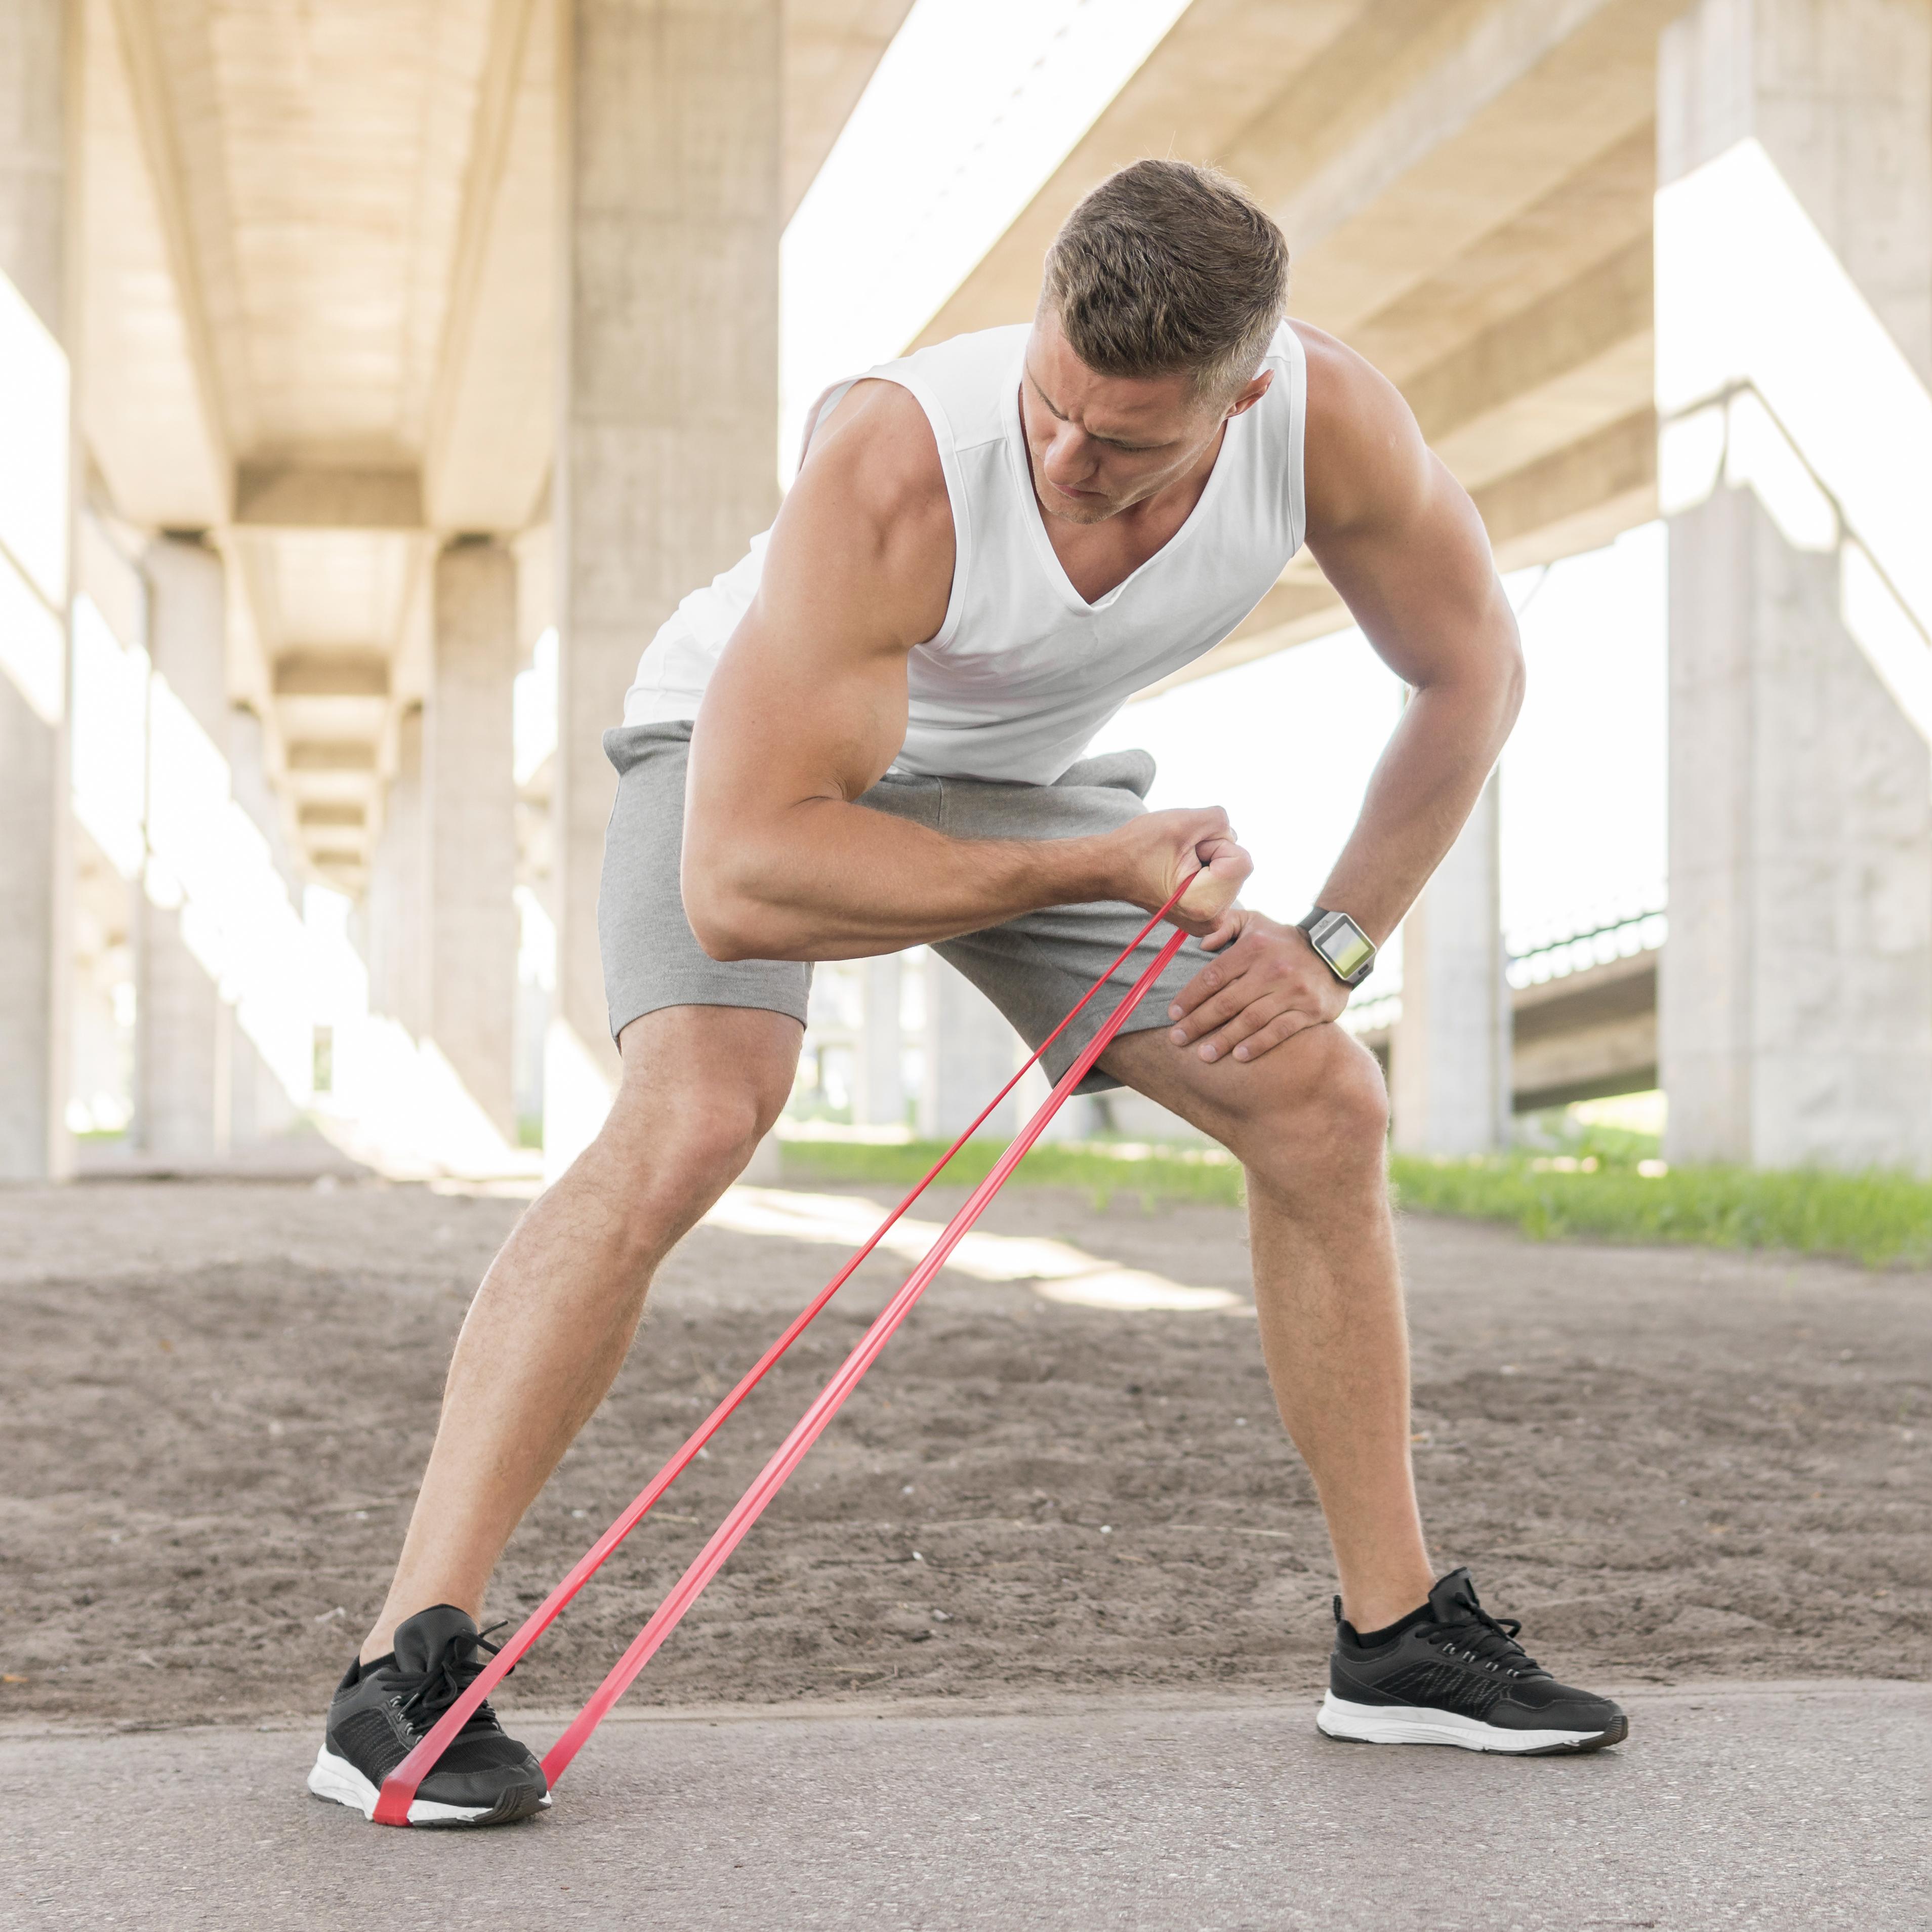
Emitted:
<point x="727" y="918"/>
<point x="1514" y="682"/>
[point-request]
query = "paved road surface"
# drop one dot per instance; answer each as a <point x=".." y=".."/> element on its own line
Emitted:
<point x="1793" y="1807"/>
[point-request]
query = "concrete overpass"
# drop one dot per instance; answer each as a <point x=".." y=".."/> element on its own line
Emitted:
<point x="397" y="334"/>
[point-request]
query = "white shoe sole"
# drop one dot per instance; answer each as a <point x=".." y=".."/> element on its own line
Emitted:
<point x="1405" y="1724"/>
<point x="337" y="1779"/>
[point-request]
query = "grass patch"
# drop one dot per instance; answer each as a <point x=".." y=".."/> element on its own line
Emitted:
<point x="1876" y="1218"/>
<point x="1881" y="1219"/>
<point x="1161" y="1175"/>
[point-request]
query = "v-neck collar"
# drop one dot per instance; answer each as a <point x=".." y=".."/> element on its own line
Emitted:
<point x="1035" y="517"/>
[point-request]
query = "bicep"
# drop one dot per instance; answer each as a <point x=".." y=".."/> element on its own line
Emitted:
<point x="809" y="698"/>
<point x="794" y="711"/>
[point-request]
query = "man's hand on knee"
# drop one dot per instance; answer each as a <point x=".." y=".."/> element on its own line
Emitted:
<point x="1266" y="986"/>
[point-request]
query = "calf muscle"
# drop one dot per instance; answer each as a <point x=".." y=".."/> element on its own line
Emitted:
<point x="1307" y="1121"/>
<point x="557" y="1312"/>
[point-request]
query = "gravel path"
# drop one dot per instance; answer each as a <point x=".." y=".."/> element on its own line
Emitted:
<point x="215" y="1400"/>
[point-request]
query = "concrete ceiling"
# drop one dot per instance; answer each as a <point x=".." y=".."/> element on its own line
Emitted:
<point x="318" y="264"/>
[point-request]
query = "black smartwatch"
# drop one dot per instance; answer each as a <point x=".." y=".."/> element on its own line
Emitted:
<point x="1345" y="950"/>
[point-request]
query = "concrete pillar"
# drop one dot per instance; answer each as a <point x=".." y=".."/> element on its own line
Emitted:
<point x="670" y="114"/>
<point x="469" y="824"/>
<point x="1795" y="996"/>
<point x="38" y="71"/>
<point x="878" y="1088"/>
<point x="971" y="1053"/>
<point x="259" y="1109"/>
<point x="182" y="1027"/>
<point x="396" y="950"/>
<point x="254" y="792"/>
<point x="1449" y="1058"/>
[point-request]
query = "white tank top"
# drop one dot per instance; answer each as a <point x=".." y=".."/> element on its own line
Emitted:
<point x="1025" y="670"/>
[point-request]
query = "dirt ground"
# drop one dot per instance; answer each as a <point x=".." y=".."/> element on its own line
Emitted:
<point x="215" y="1401"/>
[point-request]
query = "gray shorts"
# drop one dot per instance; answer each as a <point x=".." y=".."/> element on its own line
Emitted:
<point x="1032" y="968"/>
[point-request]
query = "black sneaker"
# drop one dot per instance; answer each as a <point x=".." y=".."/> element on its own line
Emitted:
<point x="383" y="1709"/>
<point x="1452" y="1674"/>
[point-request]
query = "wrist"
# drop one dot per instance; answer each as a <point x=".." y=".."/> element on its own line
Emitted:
<point x="1065" y="871"/>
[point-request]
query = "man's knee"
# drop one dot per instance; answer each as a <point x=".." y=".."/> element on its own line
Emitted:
<point x="689" y="1115"/>
<point x="1321" y="1106"/>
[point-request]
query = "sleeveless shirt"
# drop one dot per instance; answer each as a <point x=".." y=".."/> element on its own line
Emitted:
<point x="1025" y="670"/>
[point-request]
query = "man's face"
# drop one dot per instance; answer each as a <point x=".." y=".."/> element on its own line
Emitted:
<point x="1100" y="444"/>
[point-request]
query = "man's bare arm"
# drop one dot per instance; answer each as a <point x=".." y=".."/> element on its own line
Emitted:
<point x="807" y="710"/>
<point x="1399" y="538"/>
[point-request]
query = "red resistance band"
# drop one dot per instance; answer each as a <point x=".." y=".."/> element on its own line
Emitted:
<point x="399" y="1788"/>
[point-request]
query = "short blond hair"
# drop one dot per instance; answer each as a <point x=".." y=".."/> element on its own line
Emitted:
<point x="1167" y="267"/>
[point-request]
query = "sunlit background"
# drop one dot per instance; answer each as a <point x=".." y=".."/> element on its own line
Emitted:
<point x="1774" y="376"/>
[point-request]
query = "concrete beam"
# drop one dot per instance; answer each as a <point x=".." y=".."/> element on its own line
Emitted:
<point x="331" y="673"/>
<point x="153" y="409"/>
<point x="1392" y="138"/>
<point x="298" y="496"/>
<point x="1498" y="104"/>
<point x="175" y="75"/>
<point x="1577" y="499"/>
<point x="1550" y="376"/>
<point x="330" y="756"/>
<point x="488" y="445"/>
<point x="831" y="48"/>
<point x="344" y="817"/>
<point x="1604" y="205"/>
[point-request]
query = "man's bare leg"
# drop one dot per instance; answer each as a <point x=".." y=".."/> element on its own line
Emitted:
<point x="1307" y="1120"/>
<point x="556" y="1314"/>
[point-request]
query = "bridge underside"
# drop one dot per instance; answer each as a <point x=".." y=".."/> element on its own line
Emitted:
<point x="400" y="333"/>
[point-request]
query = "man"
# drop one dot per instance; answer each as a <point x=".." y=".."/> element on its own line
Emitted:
<point x="868" y="735"/>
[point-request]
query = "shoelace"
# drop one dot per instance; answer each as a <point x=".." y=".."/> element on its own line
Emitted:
<point x="425" y="1697"/>
<point x="1482" y="1638"/>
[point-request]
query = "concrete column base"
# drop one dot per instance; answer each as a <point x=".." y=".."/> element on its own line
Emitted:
<point x="971" y="1053"/>
<point x="183" y="1047"/>
<point x="878" y="1088"/>
<point x="1795" y="995"/>
<point x="468" y="911"/>
<point x="1449" y="1058"/>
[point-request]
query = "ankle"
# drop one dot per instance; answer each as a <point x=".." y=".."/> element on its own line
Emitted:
<point x="1369" y="1607"/>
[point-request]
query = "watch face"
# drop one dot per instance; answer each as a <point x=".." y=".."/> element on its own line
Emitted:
<point x="1343" y="943"/>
